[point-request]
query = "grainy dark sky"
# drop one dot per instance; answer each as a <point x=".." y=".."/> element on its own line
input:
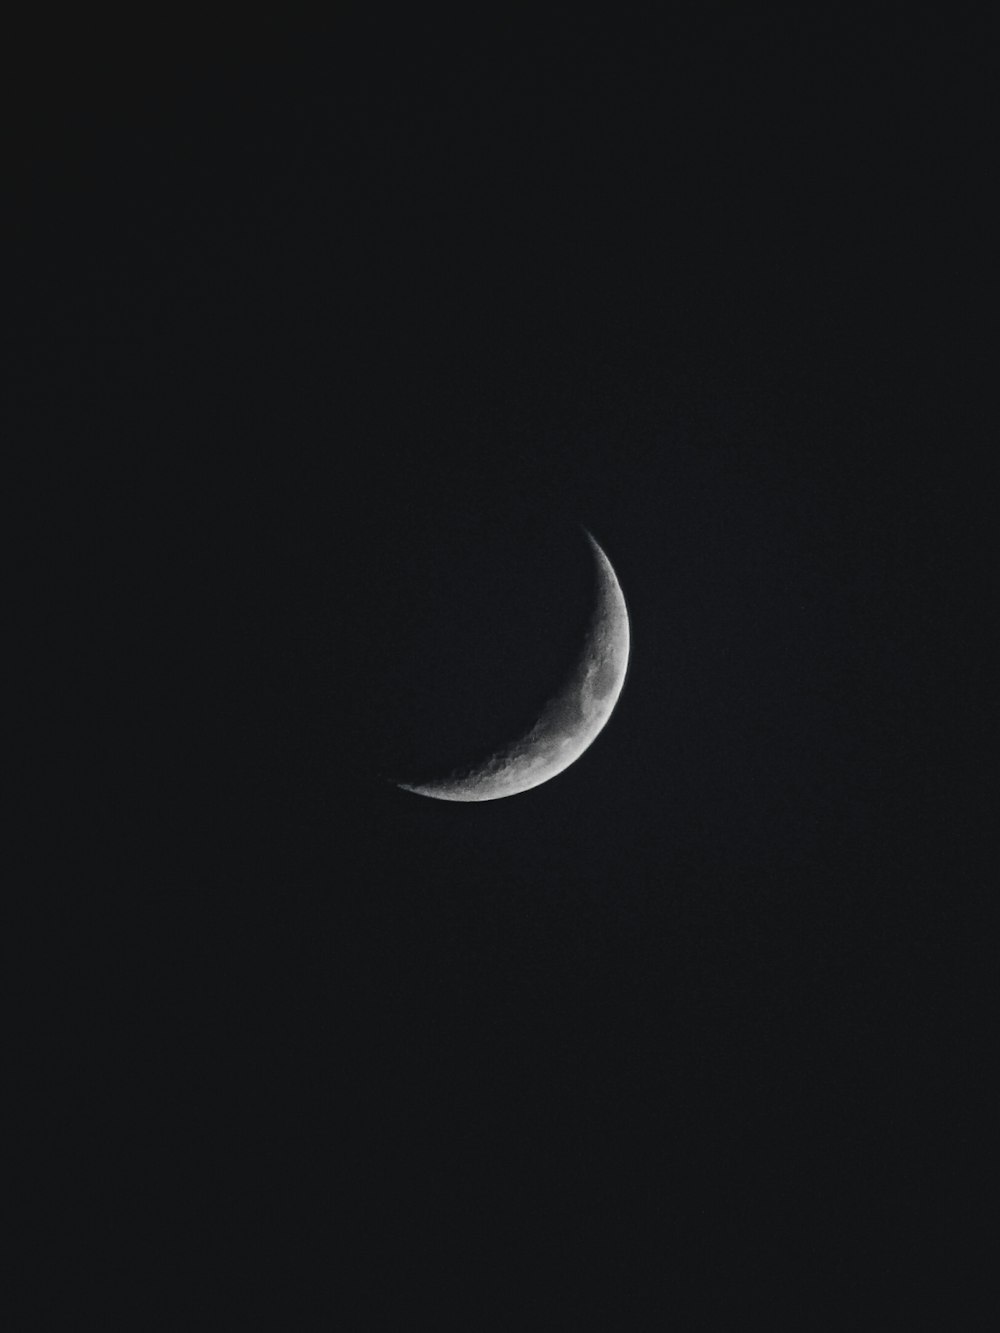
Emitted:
<point x="325" y="343"/>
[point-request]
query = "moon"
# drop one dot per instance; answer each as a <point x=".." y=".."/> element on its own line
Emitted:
<point x="568" y="723"/>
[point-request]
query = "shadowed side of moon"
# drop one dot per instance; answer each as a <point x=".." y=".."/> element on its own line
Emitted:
<point x="568" y="723"/>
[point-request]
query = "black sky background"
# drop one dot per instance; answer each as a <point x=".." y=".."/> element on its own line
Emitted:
<point x="324" y="347"/>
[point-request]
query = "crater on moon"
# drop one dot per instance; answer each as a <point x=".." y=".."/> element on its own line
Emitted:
<point x="603" y="681"/>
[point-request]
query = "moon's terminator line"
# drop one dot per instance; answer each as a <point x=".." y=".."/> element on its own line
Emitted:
<point x="570" y="721"/>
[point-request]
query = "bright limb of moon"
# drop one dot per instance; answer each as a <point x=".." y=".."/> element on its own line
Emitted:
<point x="571" y="720"/>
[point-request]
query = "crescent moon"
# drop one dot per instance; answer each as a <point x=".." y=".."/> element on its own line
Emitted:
<point x="571" y="720"/>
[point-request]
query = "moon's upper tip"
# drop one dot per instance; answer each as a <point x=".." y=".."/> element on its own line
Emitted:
<point x="595" y="545"/>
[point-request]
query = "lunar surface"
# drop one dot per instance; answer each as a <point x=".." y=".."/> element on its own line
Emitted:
<point x="570" y="721"/>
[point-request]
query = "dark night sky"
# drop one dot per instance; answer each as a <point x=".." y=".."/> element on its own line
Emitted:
<point x="323" y="346"/>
